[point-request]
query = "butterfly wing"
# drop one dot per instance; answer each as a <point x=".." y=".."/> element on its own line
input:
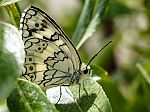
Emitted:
<point x="51" y="59"/>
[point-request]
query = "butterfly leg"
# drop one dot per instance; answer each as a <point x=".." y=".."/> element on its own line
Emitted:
<point x="85" y="89"/>
<point x="88" y="95"/>
<point x="79" y="90"/>
<point x="60" y="96"/>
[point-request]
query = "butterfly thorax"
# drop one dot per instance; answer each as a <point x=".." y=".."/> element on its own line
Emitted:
<point x="75" y="77"/>
<point x="79" y="74"/>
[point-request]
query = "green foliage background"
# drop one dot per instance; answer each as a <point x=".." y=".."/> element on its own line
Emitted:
<point x="124" y="66"/>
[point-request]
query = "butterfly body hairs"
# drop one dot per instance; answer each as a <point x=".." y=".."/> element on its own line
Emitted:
<point x="51" y="58"/>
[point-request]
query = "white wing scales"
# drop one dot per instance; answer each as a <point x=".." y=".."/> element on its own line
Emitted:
<point x="51" y="59"/>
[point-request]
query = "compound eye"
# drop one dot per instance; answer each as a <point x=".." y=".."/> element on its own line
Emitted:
<point x="85" y="71"/>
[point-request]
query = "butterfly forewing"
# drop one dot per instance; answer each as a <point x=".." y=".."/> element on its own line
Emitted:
<point x="51" y="59"/>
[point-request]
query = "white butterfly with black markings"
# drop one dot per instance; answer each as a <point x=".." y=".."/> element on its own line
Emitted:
<point x="51" y="58"/>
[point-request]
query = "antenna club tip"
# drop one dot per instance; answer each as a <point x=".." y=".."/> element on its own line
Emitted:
<point x="110" y="41"/>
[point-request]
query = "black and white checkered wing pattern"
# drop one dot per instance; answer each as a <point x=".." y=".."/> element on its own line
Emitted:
<point x="51" y="59"/>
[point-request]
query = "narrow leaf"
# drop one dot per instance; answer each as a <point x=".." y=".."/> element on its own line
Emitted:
<point x="14" y="14"/>
<point x="84" y="20"/>
<point x="7" y="2"/>
<point x="144" y="73"/>
<point x="99" y="14"/>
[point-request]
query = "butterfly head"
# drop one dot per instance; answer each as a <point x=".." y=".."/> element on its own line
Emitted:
<point x="86" y="70"/>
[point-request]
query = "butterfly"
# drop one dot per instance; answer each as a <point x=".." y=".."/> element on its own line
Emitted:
<point x="51" y="58"/>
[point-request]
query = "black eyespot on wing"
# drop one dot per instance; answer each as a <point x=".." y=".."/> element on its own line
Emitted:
<point x="30" y="59"/>
<point x="31" y="68"/>
<point x="36" y="25"/>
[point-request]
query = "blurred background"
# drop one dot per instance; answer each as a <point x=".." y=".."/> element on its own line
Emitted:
<point x="126" y="60"/>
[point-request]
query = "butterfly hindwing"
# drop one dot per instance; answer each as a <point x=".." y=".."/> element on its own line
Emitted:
<point x="51" y="59"/>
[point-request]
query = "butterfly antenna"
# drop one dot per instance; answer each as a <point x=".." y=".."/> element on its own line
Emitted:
<point x="99" y="52"/>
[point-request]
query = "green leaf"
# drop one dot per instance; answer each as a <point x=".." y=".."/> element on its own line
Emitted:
<point x="92" y="98"/>
<point x="146" y="95"/>
<point x="145" y="51"/>
<point x="7" y="2"/>
<point x="118" y="9"/>
<point x="14" y="13"/>
<point x="95" y="21"/>
<point x="28" y="97"/>
<point x="98" y="71"/>
<point x="118" y="102"/>
<point x="84" y="21"/>
<point x="144" y="72"/>
<point x="10" y="58"/>
<point x="11" y="41"/>
<point x="147" y="6"/>
<point x="9" y="72"/>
